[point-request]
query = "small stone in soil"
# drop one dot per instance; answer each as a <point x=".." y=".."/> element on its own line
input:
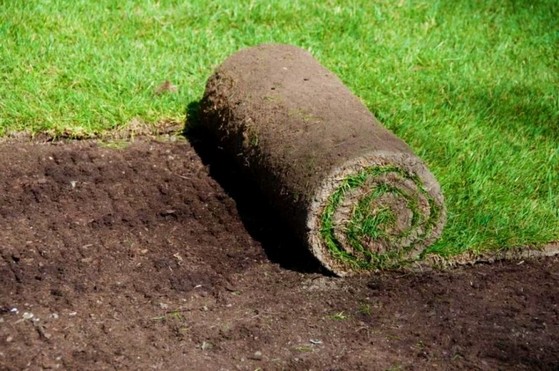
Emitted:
<point x="257" y="356"/>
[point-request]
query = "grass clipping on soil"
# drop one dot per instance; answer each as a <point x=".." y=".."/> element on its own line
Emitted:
<point x="350" y="189"/>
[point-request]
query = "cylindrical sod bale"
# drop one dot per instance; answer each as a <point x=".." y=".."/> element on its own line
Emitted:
<point x="350" y="189"/>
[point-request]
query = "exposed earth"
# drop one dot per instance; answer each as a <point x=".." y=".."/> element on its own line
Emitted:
<point x="156" y="256"/>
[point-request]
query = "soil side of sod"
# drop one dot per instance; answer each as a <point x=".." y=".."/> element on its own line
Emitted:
<point x="306" y="139"/>
<point x="139" y="258"/>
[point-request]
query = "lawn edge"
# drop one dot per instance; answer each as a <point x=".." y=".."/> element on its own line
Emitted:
<point x="134" y="129"/>
<point x="470" y="258"/>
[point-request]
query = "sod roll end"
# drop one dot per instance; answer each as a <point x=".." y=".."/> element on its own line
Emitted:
<point x="353" y="192"/>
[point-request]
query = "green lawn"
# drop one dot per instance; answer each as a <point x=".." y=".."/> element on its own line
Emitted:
<point x="472" y="86"/>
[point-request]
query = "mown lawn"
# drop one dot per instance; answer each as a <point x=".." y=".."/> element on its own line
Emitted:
<point x="472" y="86"/>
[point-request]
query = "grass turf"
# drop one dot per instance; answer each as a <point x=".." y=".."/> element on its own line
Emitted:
<point x="365" y="223"/>
<point x="472" y="86"/>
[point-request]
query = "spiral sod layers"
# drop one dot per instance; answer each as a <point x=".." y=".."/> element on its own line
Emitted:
<point x="375" y="212"/>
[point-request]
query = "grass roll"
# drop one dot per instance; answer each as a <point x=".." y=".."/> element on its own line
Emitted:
<point x="353" y="192"/>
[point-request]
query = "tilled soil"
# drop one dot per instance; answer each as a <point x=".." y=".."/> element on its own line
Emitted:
<point x="138" y="258"/>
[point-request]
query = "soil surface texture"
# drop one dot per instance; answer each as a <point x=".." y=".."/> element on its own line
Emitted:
<point x="156" y="256"/>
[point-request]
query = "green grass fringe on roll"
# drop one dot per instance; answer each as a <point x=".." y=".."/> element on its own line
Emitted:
<point x="380" y="210"/>
<point x="354" y="193"/>
<point x="370" y="231"/>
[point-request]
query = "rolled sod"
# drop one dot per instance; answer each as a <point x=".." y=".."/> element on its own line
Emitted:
<point x="353" y="192"/>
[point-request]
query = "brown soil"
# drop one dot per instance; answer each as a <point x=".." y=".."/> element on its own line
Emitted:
<point x="137" y="258"/>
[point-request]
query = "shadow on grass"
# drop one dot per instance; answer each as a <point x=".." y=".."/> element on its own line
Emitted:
<point x="258" y="217"/>
<point x="519" y="110"/>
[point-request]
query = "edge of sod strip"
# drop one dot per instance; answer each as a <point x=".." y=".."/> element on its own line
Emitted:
<point x="469" y="257"/>
<point x="378" y="211"/>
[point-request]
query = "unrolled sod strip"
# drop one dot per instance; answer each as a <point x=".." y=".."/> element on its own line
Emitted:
<point x="350" y="189"/>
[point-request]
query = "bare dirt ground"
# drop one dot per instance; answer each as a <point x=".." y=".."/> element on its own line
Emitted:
<point x="148" y="257"/>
